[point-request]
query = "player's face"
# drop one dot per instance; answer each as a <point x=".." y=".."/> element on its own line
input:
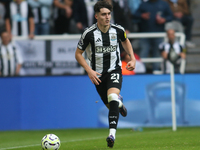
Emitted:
<point x="5" y="38"/>
<point x="171" y="35"/>
<point x="68" y="2"/>
<point x="18" y="1"/>
<point x="103" y="17"/>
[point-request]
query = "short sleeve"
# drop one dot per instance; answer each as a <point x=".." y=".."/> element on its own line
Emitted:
<point x="30" y="12"/>
<point x="122" y="34"/>
<point x="161" y="47"/>
<point x="7" y="15"/>
<point x="83" y="41"/>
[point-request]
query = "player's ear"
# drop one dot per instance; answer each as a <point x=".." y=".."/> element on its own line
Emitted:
<point x="95" y="16"/>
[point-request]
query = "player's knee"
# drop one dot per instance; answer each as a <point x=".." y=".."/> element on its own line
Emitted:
<point x="112" y="97"/>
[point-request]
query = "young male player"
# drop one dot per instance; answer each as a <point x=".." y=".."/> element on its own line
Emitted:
<point x="101" y="43"/>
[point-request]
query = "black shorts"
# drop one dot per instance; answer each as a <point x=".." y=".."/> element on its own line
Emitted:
<point x="109" y="80"/>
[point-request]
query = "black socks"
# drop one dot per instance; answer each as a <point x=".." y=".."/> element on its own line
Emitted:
<point x="113" y="114"/>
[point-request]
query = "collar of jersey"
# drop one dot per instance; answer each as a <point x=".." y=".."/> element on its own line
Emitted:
<point x="100" y="30"/>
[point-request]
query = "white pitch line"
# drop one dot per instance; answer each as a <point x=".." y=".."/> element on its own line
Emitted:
<point x="20" y="147"/>
<point x="40" y="144"/>
<point x="33" y="145"/>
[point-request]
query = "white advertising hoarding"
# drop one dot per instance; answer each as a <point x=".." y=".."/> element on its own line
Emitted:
<point x="49" y="57"/>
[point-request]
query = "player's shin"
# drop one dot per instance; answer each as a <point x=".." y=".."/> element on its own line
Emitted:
<point x="113" y="113"/>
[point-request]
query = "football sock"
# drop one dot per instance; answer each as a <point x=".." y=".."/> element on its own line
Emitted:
<point x="120" y="104"/>
<point x="113" y="114"/>
<point x="112" y="132"/>
<point x="120" y="101"/>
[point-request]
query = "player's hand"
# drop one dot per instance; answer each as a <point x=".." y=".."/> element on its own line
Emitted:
<point x="68" y="11"/>
<point x="178" y="15"/>
<point x="145" y="16"/>
<point x="31" y="36"/>
<point x="131" y="65"/>
<point x="161" y="20"/>
<point x="93" y="77"/>
<point x="79" y="25"/>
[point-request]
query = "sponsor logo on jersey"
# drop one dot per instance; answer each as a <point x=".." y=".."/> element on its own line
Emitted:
<point x="106" y="49"/>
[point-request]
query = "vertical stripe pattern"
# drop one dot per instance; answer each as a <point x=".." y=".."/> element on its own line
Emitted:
<point x="19" y="18"/>
<point x="106" y="55"/>
<point x="9" y="58"/>
<point x="102" y="48"/>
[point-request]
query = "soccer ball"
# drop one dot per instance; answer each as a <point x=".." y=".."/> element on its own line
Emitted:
<point x="50" y="142"/>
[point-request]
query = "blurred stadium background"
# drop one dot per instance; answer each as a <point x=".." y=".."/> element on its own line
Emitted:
<point x="53" y="94"/>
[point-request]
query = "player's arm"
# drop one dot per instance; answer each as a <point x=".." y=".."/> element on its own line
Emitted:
<point x="91" y="73"/>
<point x="7" y="20"/>
<point x="31" y="22"/>
<point x="183" y="55"/>
<point x="128" y="48"/>
<point x="18" y="69"/>
<point x="162" y="50"/>
<point x="164" y="54"/>
<point x="58" y="4"/>
<point x="183" y="52"/>
<point x="32" y="28"/>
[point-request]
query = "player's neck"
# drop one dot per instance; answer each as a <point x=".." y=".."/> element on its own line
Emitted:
<point x="103" y="29"/>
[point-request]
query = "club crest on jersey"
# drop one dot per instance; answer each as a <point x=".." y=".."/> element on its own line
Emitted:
<point x="105" y="49"/>
<point x="113" y="37"/>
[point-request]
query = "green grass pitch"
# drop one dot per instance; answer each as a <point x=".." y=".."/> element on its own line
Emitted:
<point x="185" y="138"/>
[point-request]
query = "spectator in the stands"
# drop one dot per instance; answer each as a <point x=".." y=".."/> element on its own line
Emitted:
<point x="172" y="50"/>
<point x="5" y="1"/>
<point x="10" y="56"/>
<point x="182" y="14"/>
<point x="152" y="16"/>
<point x="127" y="12"/>
<point x="63" y="11"/>
<point x="2" y="16"/>
<point x="42" y="13"/>
<point x="90" y="10"/>
<point x="80" y="15"/>
<point x="19" y="19"/>
<point x="118" y="16"/>
<point x="133" y="6"/>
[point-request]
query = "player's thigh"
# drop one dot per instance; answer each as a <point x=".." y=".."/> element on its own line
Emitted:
<point x="114" y="82"/>
<point x="113" y="90"/>
<point x="102" y="91"/>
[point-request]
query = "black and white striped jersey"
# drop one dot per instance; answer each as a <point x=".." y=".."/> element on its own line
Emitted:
<point x="103" y="49"/>
<point x="165" y="46"/>
<point x="9" y="58"/>
<point x="19" y="17"/>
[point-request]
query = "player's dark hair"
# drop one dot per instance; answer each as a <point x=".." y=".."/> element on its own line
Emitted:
<point x="102" y="4"/>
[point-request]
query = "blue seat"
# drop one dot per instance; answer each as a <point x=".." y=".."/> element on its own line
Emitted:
<point x="159" y="103"/>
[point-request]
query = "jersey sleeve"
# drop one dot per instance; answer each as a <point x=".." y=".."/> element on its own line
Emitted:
<point x="30" y="12"/>
<point x="83" y="41"/>
<point x="18" y="53"/>
<point x="181" y="49"/>
<point x="122" y="33"/>
<point x="161" y="47"/>
<point x="7" y="15"/>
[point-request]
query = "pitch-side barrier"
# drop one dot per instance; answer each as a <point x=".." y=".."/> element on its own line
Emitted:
<point x="180" y="36"/>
